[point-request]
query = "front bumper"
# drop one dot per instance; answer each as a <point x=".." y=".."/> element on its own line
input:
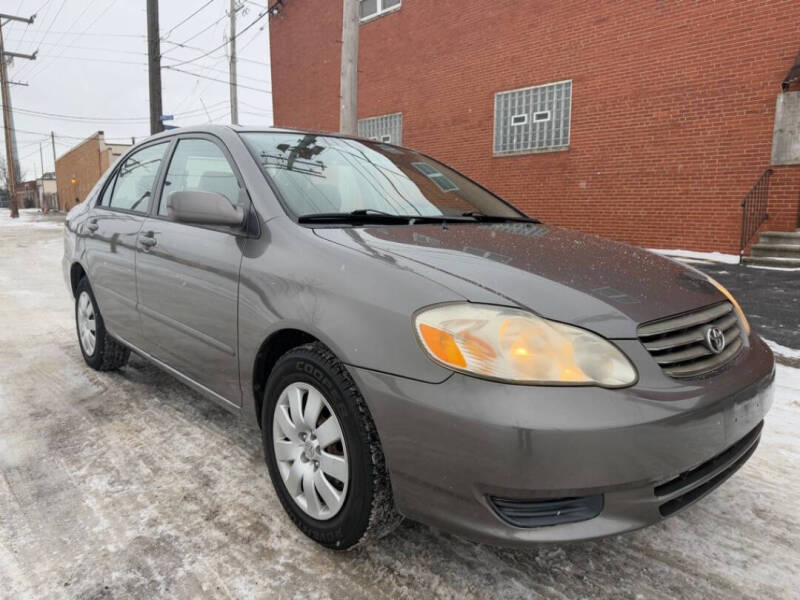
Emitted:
<point x="452" y="446"/>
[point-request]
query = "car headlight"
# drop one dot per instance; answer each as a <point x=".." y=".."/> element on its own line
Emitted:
<point x="729" y="296"/>
<point x="518" y="346"/>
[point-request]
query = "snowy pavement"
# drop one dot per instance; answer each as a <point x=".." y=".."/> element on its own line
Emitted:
<point x="130" y="485"/>
<point x="770" y="296"/>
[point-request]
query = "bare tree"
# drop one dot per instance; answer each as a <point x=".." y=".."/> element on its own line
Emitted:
<point x="4" y="179"/>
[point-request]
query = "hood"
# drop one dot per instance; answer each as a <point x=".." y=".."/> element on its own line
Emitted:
<point x="601" y="285"/>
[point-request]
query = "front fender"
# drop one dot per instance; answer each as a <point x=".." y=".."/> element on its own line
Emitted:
<point x="359" y="305"/>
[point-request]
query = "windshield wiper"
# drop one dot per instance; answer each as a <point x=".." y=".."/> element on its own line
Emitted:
<point x="363" y="215"/>
<point x="498" y="219"/>
<point x="375" y="216"/>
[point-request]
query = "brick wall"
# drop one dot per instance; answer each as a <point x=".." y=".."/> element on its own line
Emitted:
<point x="672" y="111"/>
<point x="85" y="163"/>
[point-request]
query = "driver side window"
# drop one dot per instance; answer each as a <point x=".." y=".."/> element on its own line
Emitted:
<point x="135" y="178"/>
<point x="199" y="165"/>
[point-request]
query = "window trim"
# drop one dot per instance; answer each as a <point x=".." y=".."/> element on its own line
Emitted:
<point x="380" y="13"/>
<point x="563" y="148"/>
<point x="549" y="115"/>
<point x="170" y="141"/>
<point x="245" y="230"/>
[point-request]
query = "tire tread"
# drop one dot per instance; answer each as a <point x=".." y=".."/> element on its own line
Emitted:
<point x="113" y="355"/>
<point x="383" y="517"/>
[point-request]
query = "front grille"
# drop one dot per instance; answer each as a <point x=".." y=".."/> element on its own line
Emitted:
<point x="678" y="343"/>
<point x="695" y="483"/>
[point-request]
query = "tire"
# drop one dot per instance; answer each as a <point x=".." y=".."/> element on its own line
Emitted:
<point x="367" y="510"/>
<point x="105" y="354"/>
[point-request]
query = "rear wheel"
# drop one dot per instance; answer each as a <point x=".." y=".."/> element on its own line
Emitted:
<point x="323" y="452"/>
<point x="99" y="349"/>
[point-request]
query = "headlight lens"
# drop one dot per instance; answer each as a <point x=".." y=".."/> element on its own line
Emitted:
<point x="733" y="301"/>
<point x="518" y="346"/>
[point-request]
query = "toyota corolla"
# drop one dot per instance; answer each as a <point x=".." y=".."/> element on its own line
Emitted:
<point x="412" y="345"/>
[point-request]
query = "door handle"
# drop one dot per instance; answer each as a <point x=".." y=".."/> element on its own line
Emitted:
<point x="147" y="240"/>
<point x="92" y="225"/>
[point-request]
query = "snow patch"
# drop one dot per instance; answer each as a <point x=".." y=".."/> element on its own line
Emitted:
<point x="774" y="268"/>
<point x="784" y="351"/>
<point x="29" y="217"/>
<point x="718" y="257"/>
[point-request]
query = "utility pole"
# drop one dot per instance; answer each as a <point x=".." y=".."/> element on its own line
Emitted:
<point x="348" y="108"/>
<point x="154" y="66"/>
<point x="40" y="186"/>
<point x="53" y="143"/>
<point x="234" y="99"/>
<point x="8" y="116"/>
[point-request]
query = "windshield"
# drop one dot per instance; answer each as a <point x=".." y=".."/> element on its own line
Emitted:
<point x="319" y="175"/>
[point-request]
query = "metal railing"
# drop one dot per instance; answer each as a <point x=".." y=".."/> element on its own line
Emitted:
<point x="754" y="210"/>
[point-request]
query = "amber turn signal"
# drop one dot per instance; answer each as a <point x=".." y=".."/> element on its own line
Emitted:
<point x="442" y="345"/>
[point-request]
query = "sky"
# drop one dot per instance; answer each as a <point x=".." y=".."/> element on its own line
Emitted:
<point x="90" y="73"/>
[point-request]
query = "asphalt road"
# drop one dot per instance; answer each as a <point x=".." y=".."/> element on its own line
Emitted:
<point x="769" y="297"/>
<point x="129" y="485"/>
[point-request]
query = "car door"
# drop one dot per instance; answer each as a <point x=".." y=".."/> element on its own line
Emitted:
<point x="188" y="275"/>
<point x="111" y="232"/>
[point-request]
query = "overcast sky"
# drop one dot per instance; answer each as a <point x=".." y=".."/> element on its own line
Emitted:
<point x="92" y="69"/>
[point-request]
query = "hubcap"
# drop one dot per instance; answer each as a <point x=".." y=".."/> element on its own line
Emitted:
<point x="310" y="450"/>
<point x="87" y="326"/>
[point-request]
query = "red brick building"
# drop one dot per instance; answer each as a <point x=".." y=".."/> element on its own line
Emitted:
<point x="644" y="121"/>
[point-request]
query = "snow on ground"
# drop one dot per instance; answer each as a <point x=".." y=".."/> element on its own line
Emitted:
<point x="130" y="485"/>
<point x="30" y="218"/>
<point x="704" y="258"/>
<point x="785" y="352"/>
<point x="731" y="259"/>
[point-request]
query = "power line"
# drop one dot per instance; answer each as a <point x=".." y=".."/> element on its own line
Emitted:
<point x="93" y="33"/>
<point x="199" y="33"/>
<point x="117" y="61"/>
<point x="186" y="19"/>
<point x="96" y="119"/>
<point x="44" y="66"/>
<point x="93" y="48"/>
<point x="86" y="8"/>
<point x="244" y="87"/>
<point x="36" y="13"/>
<point x="223" y="44"/>
<point x="47" y="31"/>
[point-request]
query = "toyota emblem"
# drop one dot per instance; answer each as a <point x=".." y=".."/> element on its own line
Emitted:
<point x="715" y="340"/>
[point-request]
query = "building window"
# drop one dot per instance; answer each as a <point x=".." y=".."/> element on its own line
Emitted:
<point x="533" y="119"/>
<point x="373" y="8"/>
<point x="436" y="176"/>
<point x="386" y="128"/>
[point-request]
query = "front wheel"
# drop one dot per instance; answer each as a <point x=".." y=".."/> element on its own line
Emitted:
<point x="323" y="452"/>
<point x="99" y="349"/>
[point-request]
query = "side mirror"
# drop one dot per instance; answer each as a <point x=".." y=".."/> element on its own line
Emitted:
<point x="207" y="208"/>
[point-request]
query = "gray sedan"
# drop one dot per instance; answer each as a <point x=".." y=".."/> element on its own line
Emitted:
<point x="412" y="345"/>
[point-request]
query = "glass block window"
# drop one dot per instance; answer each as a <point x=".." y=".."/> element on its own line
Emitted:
<point x="373" y="8"/>
<point x="436" y="176"/>
<point x="533" y="119"/>
<point x="386" y="128"/>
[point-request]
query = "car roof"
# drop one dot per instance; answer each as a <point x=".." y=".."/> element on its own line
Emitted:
<point x="219" y="129"/>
